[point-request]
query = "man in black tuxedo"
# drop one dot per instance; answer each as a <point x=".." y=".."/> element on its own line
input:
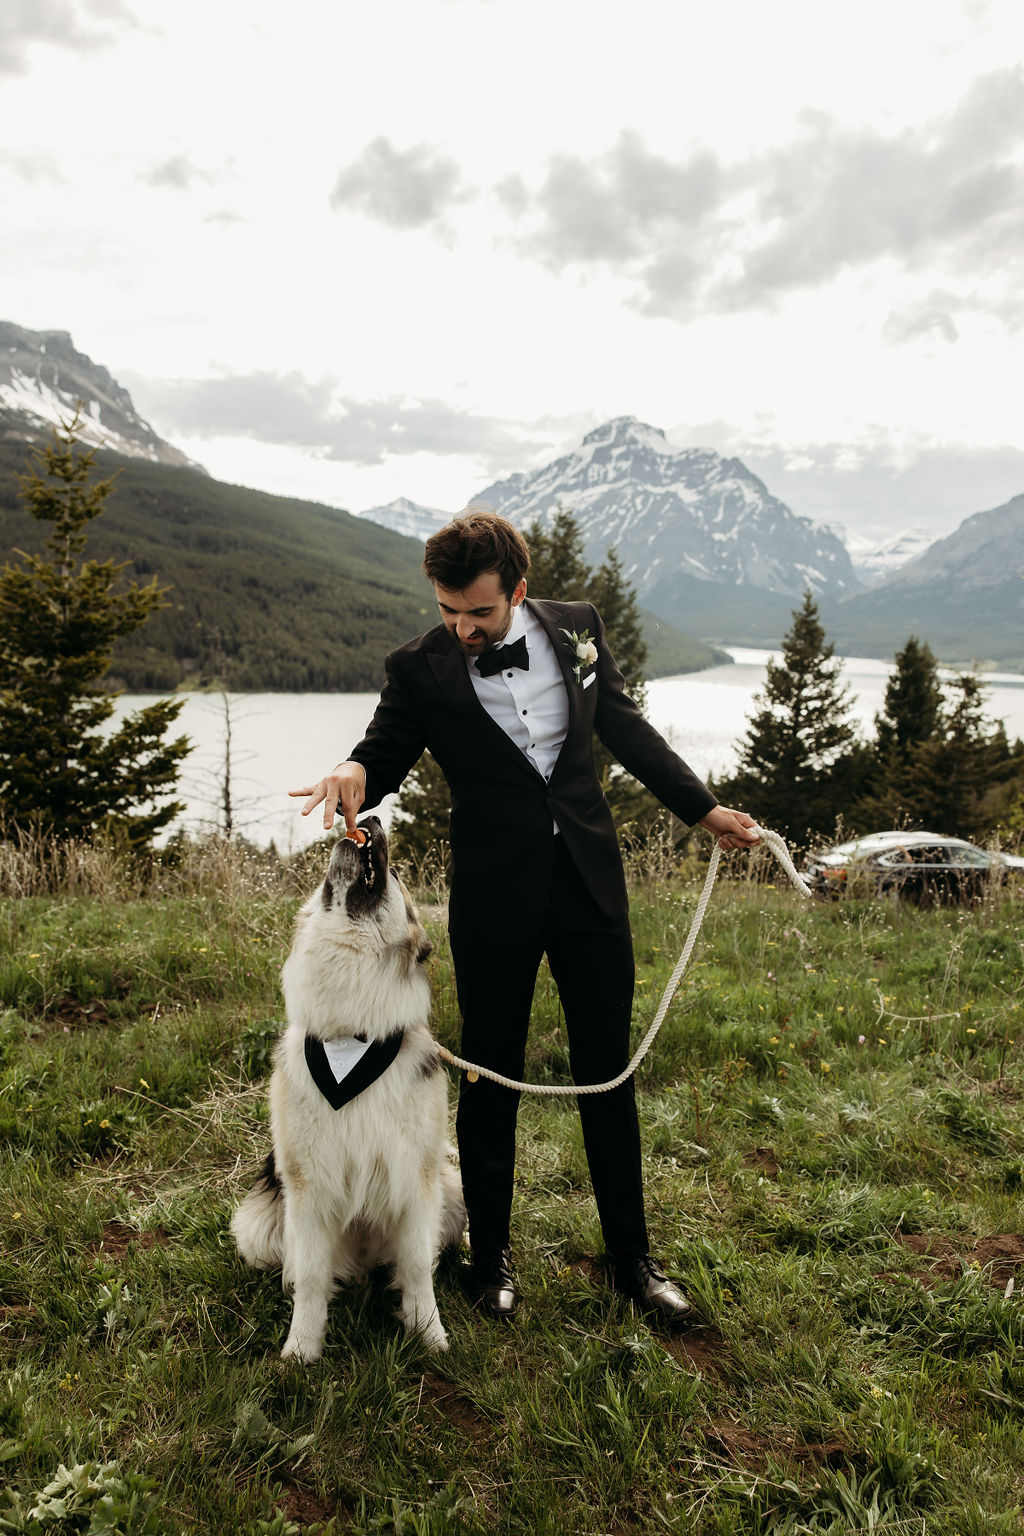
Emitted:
<point x="507" y="694"/>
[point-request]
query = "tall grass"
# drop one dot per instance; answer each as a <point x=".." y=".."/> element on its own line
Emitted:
<point x="834" y="1160"/>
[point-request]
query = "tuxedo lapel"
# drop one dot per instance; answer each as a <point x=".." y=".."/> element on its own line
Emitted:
<point x="549" y="622"/>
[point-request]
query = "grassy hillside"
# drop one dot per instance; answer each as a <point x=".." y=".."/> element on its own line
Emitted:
<point x="265" y="592"/>
<point x="834" y="1159"/>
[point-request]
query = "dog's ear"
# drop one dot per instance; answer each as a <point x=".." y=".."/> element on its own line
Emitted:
<point x="327" y="895"/>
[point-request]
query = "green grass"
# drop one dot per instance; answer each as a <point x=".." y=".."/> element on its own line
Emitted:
<point x="833" y="1139"/>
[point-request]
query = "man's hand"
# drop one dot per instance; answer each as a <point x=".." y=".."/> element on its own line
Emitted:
<point x="344" y="789"/>
<point x="731" y="827"/>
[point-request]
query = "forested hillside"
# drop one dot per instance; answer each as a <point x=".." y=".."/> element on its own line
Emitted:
<point x="265" y="592"/>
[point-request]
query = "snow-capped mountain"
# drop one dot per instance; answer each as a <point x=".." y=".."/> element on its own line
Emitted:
<point x="408" y="517"/>
<point x="964" y="594"/>
<point x="677" y="514"/>
<point x="875" y="561"/>
<point x="44" y="381"/>
<point x="987" y="550"/>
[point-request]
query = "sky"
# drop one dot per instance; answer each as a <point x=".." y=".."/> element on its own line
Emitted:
<point x="354" y="252"/>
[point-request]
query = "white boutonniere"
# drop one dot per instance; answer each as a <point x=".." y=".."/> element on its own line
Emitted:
<point x="583" y="648"/>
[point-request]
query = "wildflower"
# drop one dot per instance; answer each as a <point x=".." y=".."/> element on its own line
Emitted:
<point x="771" y="976"/>
<point x="825" y="1067"/>
<point x="970" y="1031"/>
<point x="15" y="1215"/>
<point x="840" y="1008"/>
<point x="882" y="1040"/>
<point x="143" y="1083"/>
<point x="861" y="1039"/>
<point x="773" y="1039"/>
<point x="104" y="1125"/>
<point x="34" y="955"/>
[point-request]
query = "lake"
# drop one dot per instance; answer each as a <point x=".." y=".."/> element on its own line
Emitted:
<point x="282" y="741"/>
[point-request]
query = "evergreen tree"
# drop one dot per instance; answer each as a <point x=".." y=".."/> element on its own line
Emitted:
<point x="557" y="567"/>
<point x="966" y="776"/>
<point x="912" y="714"/>
<point x="60" y="617"/>
<point x="615" y="600"/>
<point x="800" y="759"/>
<point x="419" y="830"/>
<point x="912" y="711"/>
<point x="938" y="763"/>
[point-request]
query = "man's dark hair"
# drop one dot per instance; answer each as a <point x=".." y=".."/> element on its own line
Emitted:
<point x="472" y="544"/>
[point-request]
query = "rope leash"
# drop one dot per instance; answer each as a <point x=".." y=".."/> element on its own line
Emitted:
<point x="777" y="846"/>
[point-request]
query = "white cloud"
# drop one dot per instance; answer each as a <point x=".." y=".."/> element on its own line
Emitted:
<point x="402" y="188"/>
<point x="288" y="409"/>
<point x="696" y="234"/>
<point x="77" y="24"/>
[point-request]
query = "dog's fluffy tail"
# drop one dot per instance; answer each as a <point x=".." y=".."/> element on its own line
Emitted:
<point x="258" y="1223"/>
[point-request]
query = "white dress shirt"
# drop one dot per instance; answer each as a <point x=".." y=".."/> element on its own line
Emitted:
<point x="531" y="707"/>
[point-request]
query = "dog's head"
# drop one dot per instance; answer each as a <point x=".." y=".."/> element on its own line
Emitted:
<point x="363" y="891"/>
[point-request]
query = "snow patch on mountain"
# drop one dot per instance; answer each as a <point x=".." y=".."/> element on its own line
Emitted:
<point x="709" y="517"/>
<point x="408" y="517"/>
<point x="875" y="560"/>
<point x="44" y="381"/>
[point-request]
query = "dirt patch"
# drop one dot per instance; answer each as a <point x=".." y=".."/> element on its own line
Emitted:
<point x="825" y="1453"/>
<point x="452" y="1405"/>
<point x="69" y="1013"/>
<point x="764" y="1160"/>
<point x="591" y="1269"/>
<point x="698" y="1349"/>
<point x="117" y="1237"/>
<point x="753" y="1448"/>
<point x="305" y="1507"/>
<point x="1000" y="1258"/>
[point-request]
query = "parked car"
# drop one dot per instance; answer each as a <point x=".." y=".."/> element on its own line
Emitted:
<point x="920" y="866"/>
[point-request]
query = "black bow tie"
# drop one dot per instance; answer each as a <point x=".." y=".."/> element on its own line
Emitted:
<point x="502" y="656"/>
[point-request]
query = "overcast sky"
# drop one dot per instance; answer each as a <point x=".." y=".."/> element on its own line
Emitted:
<point x="357" y="251"/>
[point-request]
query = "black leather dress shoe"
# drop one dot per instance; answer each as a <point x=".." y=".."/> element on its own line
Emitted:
<point x="494" y="1282"/>
<point x="645" y="1282"/>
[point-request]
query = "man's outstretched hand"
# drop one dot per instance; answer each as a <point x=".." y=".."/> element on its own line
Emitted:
<point x="732" y="828"/>
<point x="343" y="789"/>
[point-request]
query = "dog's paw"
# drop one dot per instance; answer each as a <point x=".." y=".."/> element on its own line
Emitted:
<point x="434" y="1336"/>
<point x="299" y="1348"/>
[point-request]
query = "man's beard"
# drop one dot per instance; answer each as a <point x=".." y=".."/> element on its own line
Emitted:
<point x="475" y="648"/>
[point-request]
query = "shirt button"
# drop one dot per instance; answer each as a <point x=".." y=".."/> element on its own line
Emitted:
<point x="525" y="711"/>
<point x="508" y="674"/>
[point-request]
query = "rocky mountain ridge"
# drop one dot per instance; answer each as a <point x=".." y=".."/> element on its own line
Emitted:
<point x="44" y="380"/>
<point x="677" y="512"/>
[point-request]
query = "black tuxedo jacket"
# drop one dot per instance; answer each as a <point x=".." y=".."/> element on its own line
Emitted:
<point x="502" y="807"/>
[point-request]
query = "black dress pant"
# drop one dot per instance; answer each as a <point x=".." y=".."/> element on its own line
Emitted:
<point x="591" y="961"/>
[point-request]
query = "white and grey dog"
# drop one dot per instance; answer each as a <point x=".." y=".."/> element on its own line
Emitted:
<point x="359" y="1175"/>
